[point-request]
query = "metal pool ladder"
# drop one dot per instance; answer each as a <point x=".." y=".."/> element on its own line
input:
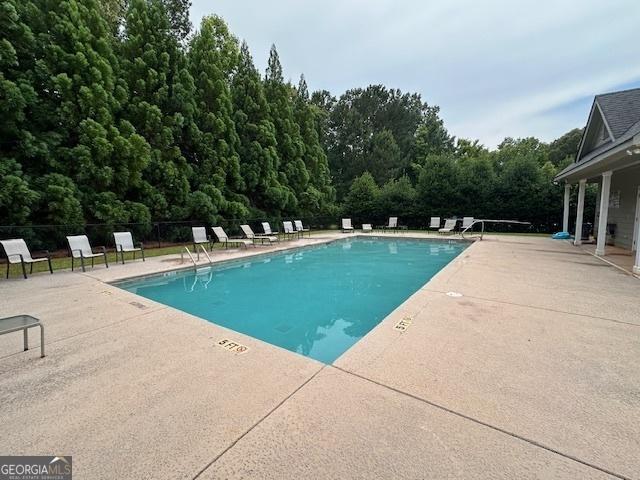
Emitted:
<point x="198" y="248"/>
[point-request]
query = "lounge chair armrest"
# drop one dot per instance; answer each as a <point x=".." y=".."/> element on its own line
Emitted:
<point x="78" y="250"/>
<point x="46" y="254"/>
<point x="102" y="249"/>
<point x="140" y="245"/>
<point x="119" y="247"/>
<point x="16" y="255"/>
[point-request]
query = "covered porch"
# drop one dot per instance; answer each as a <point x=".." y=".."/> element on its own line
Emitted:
<point x="620" y="257"/>
<point x="616" y="223"/>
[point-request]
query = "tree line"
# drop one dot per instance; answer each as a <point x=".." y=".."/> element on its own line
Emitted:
<point x="126" y="115"/>
<point x="120" y="111"/>
<point x="391" y="154"/>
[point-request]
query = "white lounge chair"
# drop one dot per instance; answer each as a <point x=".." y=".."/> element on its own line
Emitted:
<point x="435" y="223"/>
<point x="467" y="222"/>
<point x="124" y="244"/>
<point x="346" y="225"/>
<point x="393" y="224"/>
<point x="224" y="238"/>
<point x="449" y="226"/>
<point x="18" y="252"/>
<point x="248" y="232"/>
<point x="81" y="248"/>
<point x="200" y="237"/>
<point x="266" y="228"/>
<point x="300" y="228"/>
<point x="367" y="228"/>
<point x="289" y="230"/>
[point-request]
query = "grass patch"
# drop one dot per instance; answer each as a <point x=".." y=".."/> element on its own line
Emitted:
<point x="64" y="263"/>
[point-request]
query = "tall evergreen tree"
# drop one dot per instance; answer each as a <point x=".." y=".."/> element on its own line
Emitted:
<point x="17" y="100"/>
<point x="152" y="65"/>
<point x="323" y="103"/>
<point x="280" y="95"/>
<point x="259" y="160"/>
<point x="319" y="194"/>
<point x="213" y="56"/>
<point x="74" y="120"/>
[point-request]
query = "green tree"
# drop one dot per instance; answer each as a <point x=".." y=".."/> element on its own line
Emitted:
<point x="398" y="198"/>
<point x="466" y="148"/>
<point x="59" y="200"/>
<point x="153" y="66"/>
<point x="259" y="160"/>
<point x="518" y="168"/>
<point x="319" y="194"/>
<point x="323" y="102"/>
<point x="17" y="99"/>
<point x="563" y="150"/>
<point x="213" y="56"/>
<point x="384" y="158"/>
<point x="293" y="171"/>
<point x="431" y="137"/>
<point x="476" y="187"/>
<point x="17" y="198"/>
<point x="361" y="201"/>
<point x="391" y="117"/>
<point x="437" y="186"/>
<point x="79" y="131"/>
<point x="179" y="21"/>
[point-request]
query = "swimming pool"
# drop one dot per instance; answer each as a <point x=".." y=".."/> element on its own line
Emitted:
<point x="317" y="301"/>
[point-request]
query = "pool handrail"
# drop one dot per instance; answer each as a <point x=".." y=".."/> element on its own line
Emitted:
<point x="483" y="221"/>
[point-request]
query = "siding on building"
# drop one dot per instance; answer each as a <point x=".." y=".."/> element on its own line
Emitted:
<point x="624" y="191"/>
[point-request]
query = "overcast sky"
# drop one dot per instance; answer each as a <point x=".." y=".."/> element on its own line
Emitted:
<point x="496" y="68"/>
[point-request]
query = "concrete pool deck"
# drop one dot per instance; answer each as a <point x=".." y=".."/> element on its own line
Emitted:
<point x="531" y="373"/>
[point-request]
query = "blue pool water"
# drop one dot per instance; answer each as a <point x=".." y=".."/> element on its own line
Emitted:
<point x="316" y="301"/>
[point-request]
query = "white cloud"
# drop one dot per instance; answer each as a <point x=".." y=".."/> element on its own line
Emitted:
<point x="496" y="68"/>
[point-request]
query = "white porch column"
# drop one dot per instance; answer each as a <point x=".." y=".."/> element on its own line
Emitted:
<point x="565" y="214"/>
<point x="578" y="237"/>
<point x="636" y="266"/>
<point x="604" y="211"/>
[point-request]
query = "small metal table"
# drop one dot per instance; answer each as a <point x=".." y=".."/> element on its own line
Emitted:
<point x="24" y="323"/>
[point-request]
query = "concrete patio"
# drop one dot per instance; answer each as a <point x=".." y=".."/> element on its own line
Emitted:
<point x="532" y="372"/>
<point x="620" y="257"/>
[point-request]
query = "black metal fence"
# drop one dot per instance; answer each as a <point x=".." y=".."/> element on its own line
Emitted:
<point x="162" y="234"/>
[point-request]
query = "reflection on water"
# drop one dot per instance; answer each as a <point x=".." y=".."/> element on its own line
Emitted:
<point x="317" y="302"/>
<point x="200" y="279"/>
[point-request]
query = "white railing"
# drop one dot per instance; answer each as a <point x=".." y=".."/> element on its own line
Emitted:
<point x="197" y="259"/>
<point x="186" y="249"/>
<point x="483" y="221"/>
<point x="204" y="250"/>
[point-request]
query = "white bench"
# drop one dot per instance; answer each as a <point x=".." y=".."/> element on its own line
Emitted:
<point x="24" y="323"/>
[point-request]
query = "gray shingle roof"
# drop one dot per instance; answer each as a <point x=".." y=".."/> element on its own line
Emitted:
<point x="629" y="134"/>
<point x="621" y="110"/>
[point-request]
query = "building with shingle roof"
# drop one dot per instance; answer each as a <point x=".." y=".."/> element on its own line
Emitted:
<point x="609" y="155"/>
